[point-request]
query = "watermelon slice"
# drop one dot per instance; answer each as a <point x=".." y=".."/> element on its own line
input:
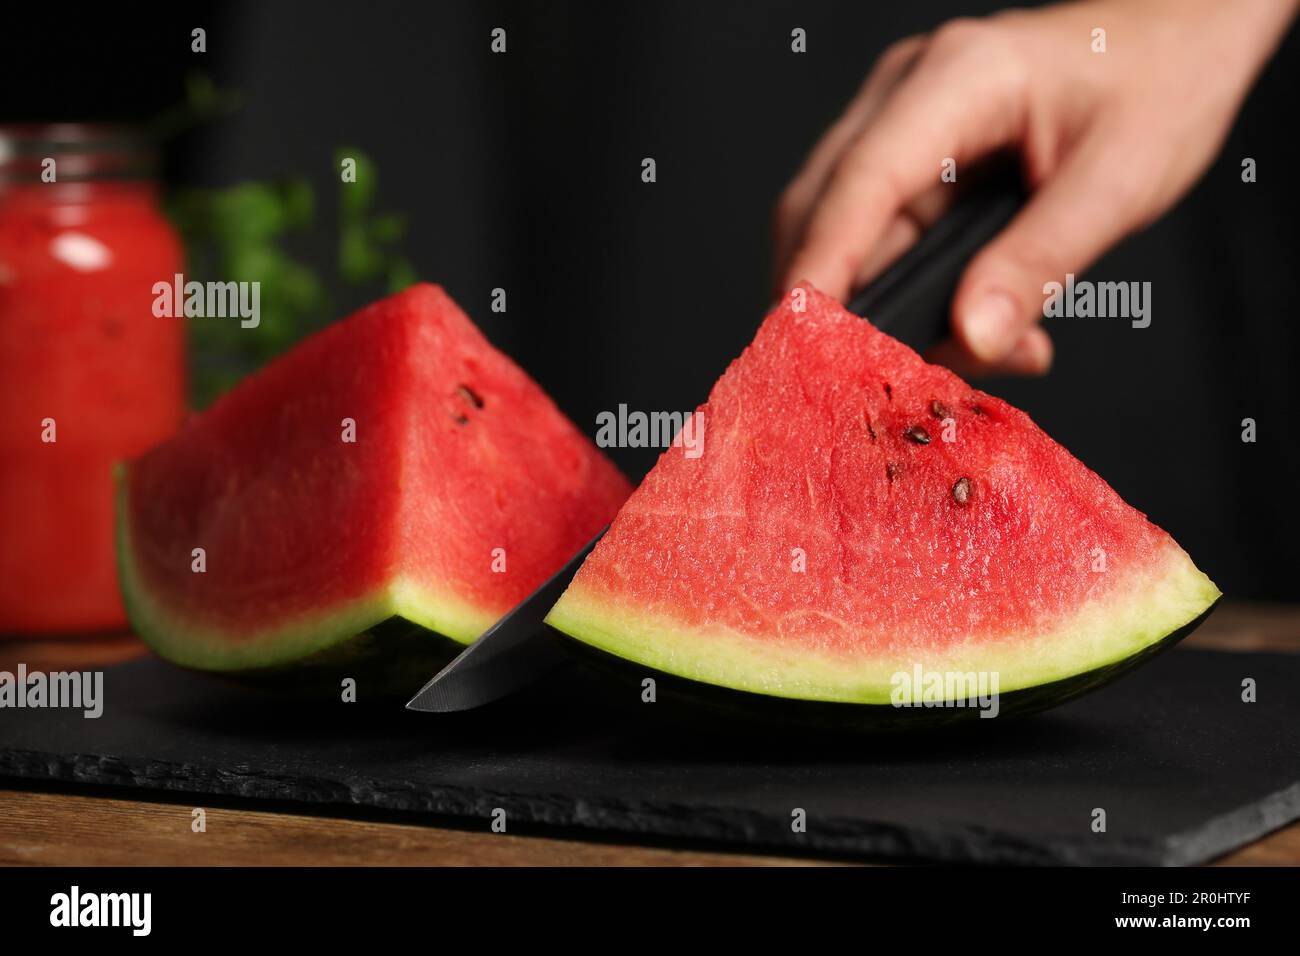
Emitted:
<point x="392" y="468"/>
<point x="861" y="521"/>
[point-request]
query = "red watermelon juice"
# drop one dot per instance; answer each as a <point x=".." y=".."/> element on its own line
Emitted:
<point x="88" y="375"/>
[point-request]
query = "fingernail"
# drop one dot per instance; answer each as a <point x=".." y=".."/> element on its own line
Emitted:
<point x="992" y="326"/>
<point x="1032" y="353"/>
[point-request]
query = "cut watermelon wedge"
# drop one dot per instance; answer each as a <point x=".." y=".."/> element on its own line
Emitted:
<point x="392" y="468"/>
<point x="861" y="524"/>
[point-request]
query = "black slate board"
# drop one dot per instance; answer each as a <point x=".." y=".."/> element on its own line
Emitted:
<point x="1183" y="768"/>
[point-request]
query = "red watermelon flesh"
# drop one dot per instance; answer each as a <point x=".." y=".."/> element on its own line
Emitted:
<point x="830" y="538"/>
<point x="464" y="488"/>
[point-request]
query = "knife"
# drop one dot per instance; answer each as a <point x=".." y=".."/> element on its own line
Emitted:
<point x="512" y="653"/>
<point x="910" y="301"/>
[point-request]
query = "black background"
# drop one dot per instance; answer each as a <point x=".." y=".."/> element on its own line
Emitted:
<point x="523" y="171"/>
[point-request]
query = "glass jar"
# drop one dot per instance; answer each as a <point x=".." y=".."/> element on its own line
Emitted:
<point x="88" y="374"/>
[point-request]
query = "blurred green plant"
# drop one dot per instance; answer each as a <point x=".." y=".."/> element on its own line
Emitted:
<point x="203" y="103"/>
<point x="237" y="234"/>
<point x="240" y="233"/>
<point x="365" y="239"/>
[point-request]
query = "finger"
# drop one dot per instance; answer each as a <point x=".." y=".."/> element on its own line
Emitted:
<point x="948" y="106"/>
<point x="899" y="236"/>
<point x="796" y="202"/>
<point x="1031" y="354"/>
<point x="904" y="230"/>
<point x="892" y="66"/>
<point x="1089" y="204"/>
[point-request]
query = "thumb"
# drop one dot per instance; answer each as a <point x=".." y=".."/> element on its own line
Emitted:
<point x="1090" y="203"/>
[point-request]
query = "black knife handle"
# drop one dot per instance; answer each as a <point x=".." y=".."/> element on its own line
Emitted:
<point x="911" y="299"/>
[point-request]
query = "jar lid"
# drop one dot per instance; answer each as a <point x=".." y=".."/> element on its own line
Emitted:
<point x="80" y="152"/>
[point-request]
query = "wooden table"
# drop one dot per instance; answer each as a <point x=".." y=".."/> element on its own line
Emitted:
<point x="77" y="828"/>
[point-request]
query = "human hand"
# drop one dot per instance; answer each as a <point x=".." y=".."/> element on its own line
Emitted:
<point x="1108" y="141"/>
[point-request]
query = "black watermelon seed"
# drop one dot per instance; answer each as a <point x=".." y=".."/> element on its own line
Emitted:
<point x="939" y="410"/>
<point x="460" y="419"/>
<point x="470" y="395"/>
<point x="961" y="491"/>
<point x="918" y="434"/>
<point x="892" y="470"/>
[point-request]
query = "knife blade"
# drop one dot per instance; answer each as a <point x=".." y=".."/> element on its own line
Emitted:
<point x="512" y="653"/>
<point x="910" y="300"/>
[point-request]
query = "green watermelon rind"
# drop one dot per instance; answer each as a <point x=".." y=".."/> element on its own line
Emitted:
<point x="1132" y="618"/>
<point x="625" y="678"/>
<point x="323" y="635"/>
